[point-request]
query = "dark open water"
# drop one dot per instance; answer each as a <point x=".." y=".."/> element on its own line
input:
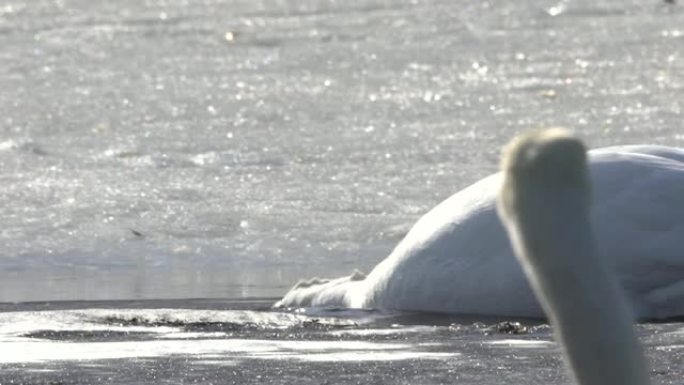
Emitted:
<point x="244" y="342"/>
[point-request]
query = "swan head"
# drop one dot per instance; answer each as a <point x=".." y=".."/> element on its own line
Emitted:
<point x="544" y="168"/>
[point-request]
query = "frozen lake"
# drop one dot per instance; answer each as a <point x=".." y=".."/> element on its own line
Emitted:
<point x="242" y="342"/>
<point x="224" y="149"/>
<point x="227" y="148"/>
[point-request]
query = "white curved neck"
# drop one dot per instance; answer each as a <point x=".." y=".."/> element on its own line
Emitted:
<point x="584" y="302"/>
<point x="547" y="219"/>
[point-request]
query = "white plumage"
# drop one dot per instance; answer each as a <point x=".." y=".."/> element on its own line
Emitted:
<point x="457" y="257"/>
<point x="544" y="204"/>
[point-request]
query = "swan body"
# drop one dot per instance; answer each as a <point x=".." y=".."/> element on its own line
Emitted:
<point x="544" y="204"/>
<point x="458" y="259"/>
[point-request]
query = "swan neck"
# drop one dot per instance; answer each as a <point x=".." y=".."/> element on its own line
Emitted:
<point x="590" y="315"/>
<point x="545" y="205"/>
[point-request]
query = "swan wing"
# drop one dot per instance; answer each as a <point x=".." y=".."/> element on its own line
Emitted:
<point x="638" y="214"/>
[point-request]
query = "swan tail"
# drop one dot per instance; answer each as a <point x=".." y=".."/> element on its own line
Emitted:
<point x="321" y="292"/>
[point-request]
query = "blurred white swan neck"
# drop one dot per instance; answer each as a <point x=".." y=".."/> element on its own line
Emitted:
<point x="544" y="204"/>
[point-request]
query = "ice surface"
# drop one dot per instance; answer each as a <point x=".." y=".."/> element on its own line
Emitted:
<point x="227" y="148"/>
<point x="150" y="342"/>
<point x="223" y="148"/>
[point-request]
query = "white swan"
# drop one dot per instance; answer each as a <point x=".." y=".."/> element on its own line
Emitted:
<point x="544" y="205"/>
<point x="457" y="258"/>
